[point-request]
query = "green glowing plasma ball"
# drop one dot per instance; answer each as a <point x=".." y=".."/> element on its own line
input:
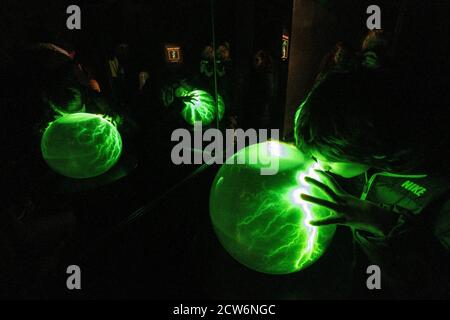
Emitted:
<point x="81" y="145"/>
<point x="260" y="219"/>
<point x="199" y="105"/>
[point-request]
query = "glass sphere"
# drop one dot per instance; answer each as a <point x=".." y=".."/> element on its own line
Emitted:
<point x="260" y="219"/>
<point x="81" y="145"/>
<point x="199" y="106"/>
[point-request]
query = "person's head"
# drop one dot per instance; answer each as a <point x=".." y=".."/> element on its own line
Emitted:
<point x="64" y="99"/>
<point x="342" y="53"/>
<point x="262" y="60"/>
<point x="143" y="77"/>
<point x="351" y="122"/>
<point x="208" y="53"/>
<point x="223" y="51"/>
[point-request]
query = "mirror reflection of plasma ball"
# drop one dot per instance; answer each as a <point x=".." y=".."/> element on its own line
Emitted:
<point x="260" y="219"/>
<point x="199" y="106"/>
<point x="81" y="145"/>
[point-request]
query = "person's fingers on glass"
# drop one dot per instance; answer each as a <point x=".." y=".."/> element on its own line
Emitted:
<point x="328" y="221"/>
<point x="332" y="194"/>
<point x="330" y="182"/>
<point x="321" y="202"/>
<point x="339" y="201"/>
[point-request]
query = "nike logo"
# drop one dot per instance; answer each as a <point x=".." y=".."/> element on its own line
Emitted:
<point x="414" y="188"/>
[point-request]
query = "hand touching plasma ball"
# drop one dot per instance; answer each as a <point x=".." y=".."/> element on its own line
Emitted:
<point x="349" y="210"/>
<point x="260" y="220"/>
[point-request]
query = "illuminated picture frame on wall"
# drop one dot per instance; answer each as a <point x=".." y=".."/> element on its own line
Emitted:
<point x="284" y="47"/>
<point x="174" y="54"/>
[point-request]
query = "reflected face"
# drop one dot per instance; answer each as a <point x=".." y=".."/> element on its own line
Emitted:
<point x="344" y="169"/>
<point x="223" y="53"/>
<point x="208" y="52"/>
<point x="257" y="61"/>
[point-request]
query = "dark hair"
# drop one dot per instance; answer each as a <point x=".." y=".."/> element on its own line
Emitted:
<point x="365" y="117"/>
<point x="266" y="61"/>
<point x="64" y="98"/>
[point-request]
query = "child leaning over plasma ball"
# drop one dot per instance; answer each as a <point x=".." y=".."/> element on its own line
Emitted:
<point x="377" y="127"/>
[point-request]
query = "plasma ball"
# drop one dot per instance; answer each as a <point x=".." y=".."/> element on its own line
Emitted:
<point x="260" y="220"/>
<point x="81" y="145"/>
<point x="199" y="106"/>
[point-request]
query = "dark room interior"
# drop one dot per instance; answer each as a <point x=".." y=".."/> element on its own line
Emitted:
<point x="144" y="227"/>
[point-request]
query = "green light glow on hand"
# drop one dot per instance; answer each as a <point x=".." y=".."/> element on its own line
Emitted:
<point x="199" y="105"/>
<point x="261" y="219"/>
<point x="81" y="145"/>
